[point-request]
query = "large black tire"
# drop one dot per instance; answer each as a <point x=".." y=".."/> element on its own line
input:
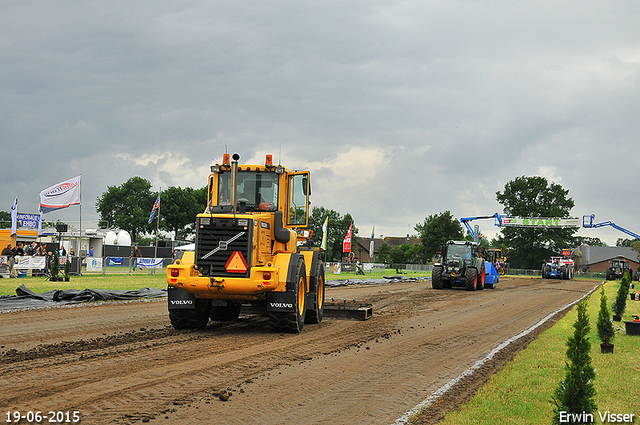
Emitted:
<point x="190" y="319"/>
<point x="293" y="322"/>
<point x="436" y="277"/>
<point x="227" y="313"/>
<point x="315" y="313"/>
<point x="609" y="274"/>
<point x="546" y="269"/>
<point x="471" y="279"/>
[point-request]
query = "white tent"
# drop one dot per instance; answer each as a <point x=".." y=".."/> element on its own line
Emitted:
<point x="188" y="247"/>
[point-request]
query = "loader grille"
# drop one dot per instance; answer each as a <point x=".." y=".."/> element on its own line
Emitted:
<point x="216" y="241"/>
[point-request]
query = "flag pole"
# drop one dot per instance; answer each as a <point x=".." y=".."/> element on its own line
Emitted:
<point x="158" y="225"/>
<point x="80" y="240"/>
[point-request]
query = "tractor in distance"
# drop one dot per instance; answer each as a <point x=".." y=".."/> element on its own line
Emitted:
<point x="461" y="264"/>
<point x="247" y="251"/>
<point x="618" y="267"/>
<point x="558" y="268"/>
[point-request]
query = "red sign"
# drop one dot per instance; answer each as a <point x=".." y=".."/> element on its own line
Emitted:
<point x="236" y="263"/>
<point x="346" y="244"/>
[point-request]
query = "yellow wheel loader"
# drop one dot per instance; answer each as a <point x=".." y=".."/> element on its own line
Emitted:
<point x="247" y="252"/>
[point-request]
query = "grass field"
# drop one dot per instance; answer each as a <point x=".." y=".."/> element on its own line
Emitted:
<point x="520" y="393"/>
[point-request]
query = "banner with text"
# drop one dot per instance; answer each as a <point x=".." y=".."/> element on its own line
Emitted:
<point x="150" y="263"/>
<point x="540" y="222"/>
<point x="37" y="263"/>
<point x="94" y="264"/>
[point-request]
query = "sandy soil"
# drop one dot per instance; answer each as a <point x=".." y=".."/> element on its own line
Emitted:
<point x="122" y="362"/>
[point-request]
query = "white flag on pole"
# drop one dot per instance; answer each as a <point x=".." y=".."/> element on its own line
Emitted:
<point x="14" y="217"/>
<point x="61" y="195"/>
<point x="323" y="245"/>
<point x="371" y="243"/>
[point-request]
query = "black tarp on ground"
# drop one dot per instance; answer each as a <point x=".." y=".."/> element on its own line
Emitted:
<point x="385" y="279"/>
<point x="25" y="298"/>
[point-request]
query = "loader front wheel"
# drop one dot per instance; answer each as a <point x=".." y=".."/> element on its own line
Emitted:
<point x="436" y="277"/>
<point x="189" y="319"/>
<point x="293" y="322"/>
<point x="315" y="313"/>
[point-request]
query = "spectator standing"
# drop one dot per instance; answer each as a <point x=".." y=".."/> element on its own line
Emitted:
<point x="8" y="251"/>
<point x="32" y="249"/>
<point x="91" y="252"/>
<point x="42" y="251"/>
<point x="135" y="254"/>
<point x="19" y="250"/>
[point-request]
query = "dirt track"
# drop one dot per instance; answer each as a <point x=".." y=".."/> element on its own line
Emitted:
<point x="122" y="362"/>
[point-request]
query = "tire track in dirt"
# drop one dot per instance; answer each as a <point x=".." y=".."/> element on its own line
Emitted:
<point x="123" y="364"/>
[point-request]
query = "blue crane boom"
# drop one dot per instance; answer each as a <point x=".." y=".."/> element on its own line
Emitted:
<point x="475" y="233"/>
<point x="587" y="222"/>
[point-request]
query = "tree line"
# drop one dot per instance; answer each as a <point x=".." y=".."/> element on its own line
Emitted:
<point x="129" y="205"/>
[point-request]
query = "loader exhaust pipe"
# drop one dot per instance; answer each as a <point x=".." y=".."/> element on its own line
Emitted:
<point x="234" y="187"/>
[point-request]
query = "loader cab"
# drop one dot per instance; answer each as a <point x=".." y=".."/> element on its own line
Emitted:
<point x="257" y="190"/>
<point x="260" y="188"/>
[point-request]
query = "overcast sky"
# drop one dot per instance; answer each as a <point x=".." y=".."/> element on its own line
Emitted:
<point x="400" y="109"/>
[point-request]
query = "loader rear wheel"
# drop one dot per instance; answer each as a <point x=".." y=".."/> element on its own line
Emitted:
<point x="227" y="313"/>
<point x="190" y="319"/>
<point x="293" y="322"/>
<point x="315" y="313"/>
<point x="471" y="279"/>
<point x="436" y="277"/>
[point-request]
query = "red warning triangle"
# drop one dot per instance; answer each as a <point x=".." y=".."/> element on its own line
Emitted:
<point x="236" y="263"/>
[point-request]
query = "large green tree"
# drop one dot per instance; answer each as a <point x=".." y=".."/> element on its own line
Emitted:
<point x="179" y="208"/>
<point x="337" y="227"/>
<point x="436" y="230"/>
<point x="128" y="206"/>
<point x="535" y="197"/>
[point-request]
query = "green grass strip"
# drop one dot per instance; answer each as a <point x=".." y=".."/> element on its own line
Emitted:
<point x="520" y="393"/>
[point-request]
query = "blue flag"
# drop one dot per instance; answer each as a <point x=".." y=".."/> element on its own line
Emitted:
<point x="155" y="207"/>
